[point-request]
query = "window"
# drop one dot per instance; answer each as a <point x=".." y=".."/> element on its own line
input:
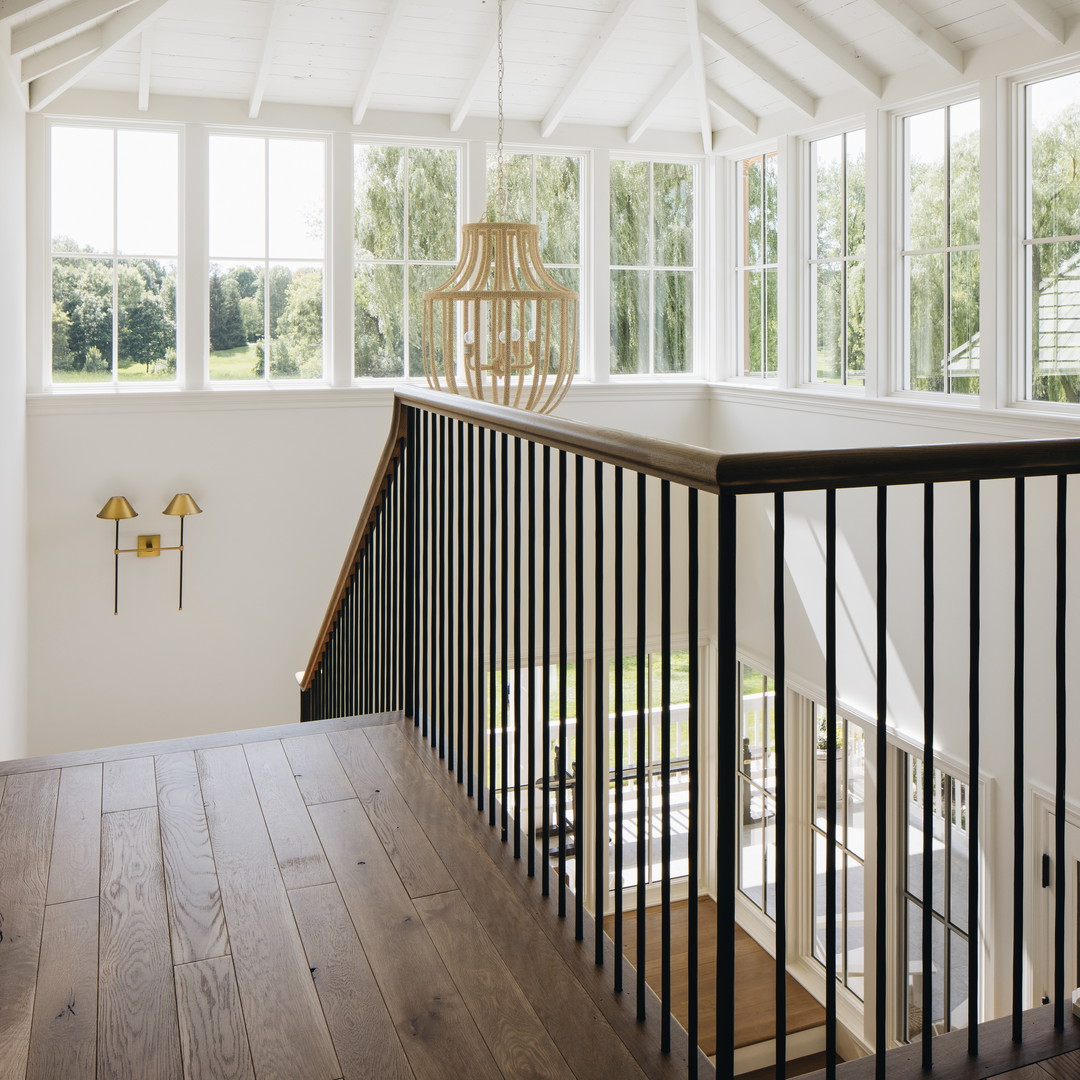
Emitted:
<point x="756" y="265"/>
<point x="545" y="189"/>
<point x="650" y="832"/>
<point x="837" y="260"/>
<point x="652" y="267"/>
<point x="950" y="805"/>
<point x="757" y="790"/>
<point x="941" y="249"/>
<point x="405" y="237"/>
<point x="1052" y="239"/>
<point x="267" y="257"/>
<point x="850" y="845"/>
<point x="114" y="225"/>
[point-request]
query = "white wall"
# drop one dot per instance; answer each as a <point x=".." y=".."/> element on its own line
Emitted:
<point x="12" y="431"/>
<point x="280" y="488"/>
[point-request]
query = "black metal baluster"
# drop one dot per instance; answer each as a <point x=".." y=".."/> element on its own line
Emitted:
<point x="642" y="739"/>
<point x="600" y="765"/>
<point x="1018" y="765"/>
<point x="1061" y="675"/>
<point x="450" y="688"/>
<point x="617" y="537"/>
<point x="881" y="831"/>
<point x="579" y="698"/>
<point x="440" y="590"/>
<point x="693" y="833"/>
<point x="496" y="708"/>
<point x="463" y="599"/>
<point x="727" y="765"/>
<point x="504" y="626"/>
<point x="531" y="653"/>
<point x="481" y="555"/>
<point x="424" y="541"/>
<point x="831" y="794"/>
<point x="780" y="748"/>
<point x="929" y="786"/>
<point x="517" y="648"/>
<point x="665" y="766"/>
<point x="411" y="523"/>
<point x="560" y="760"/>
<point x="470" y="616"/>
<point x="545" y="672"/>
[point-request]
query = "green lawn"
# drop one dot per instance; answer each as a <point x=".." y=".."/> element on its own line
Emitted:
<point x="234" y="363"/>
<point x="130" y="373"/>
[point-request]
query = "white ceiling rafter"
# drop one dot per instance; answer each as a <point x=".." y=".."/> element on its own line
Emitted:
<point x="697" y="69"/>
<point x="61" y="22"/>
<point x="722" y="100"/>
<point x="924" y="31"/>
<point x="562" y="101"/>
<point x="1041" y="17"/>
<point x="468" y="95"/>
<point x="62" y="53"/>
<point x="754" y="62"/>
<point x="273" y="23"/>
<point x="367" y="88"/>
<point x="820" y="38"/>
<point x="146" y="60"/>
<point x="641" y="123"/>
<point x="10" y="8"/>
<point x="115" y="31"/>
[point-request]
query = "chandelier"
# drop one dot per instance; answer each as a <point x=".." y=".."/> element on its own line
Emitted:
<point x="513" y="325"/>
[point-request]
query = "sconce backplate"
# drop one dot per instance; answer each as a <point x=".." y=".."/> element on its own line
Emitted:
<point x="149" y="547"/>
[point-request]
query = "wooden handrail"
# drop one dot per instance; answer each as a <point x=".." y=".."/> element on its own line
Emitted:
<point x="706" y="470"/>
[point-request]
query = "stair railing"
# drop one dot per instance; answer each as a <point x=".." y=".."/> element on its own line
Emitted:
<point x="492" y="564"/>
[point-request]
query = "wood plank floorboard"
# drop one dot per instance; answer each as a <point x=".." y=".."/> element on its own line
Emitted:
<point x="76" y="851"/>
<point x="27" y="815"/>
<point x="196" y="919"/>
<point x="212" y="1033"/>
<point x="128" y="785"/>
<point x="63" y="1042"/>
<point x="299" y="854"/>
<point x="317" y="771"/>
<point x="364" y="1036"/>
<point x="137" y="1026"/>
<point x="285" y="1024"/>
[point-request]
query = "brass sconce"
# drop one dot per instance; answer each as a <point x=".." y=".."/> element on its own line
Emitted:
<point x="118" y="508"/>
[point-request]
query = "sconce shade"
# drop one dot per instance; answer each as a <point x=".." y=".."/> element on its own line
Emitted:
<point x="182" y="505"/>
<point x="116" y="509"/>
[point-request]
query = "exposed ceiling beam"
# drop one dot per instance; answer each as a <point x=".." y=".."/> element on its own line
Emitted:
<point x="57" y="56"/>
<point x="754" y="62"/>
<point x="367" y="88"/>
<point x="468" y="95"/>
<point x="924" y="31"/>
<point x="115" y="31"/>
<point x="562" y="102"/>
<point x="146" y="59"/>
<point x="277" y="11"/>
<point x="1041" y="17"/>
<point x="738" y="112"/>
<point x="9" y="8"/>
<point x="697" y="73"/>
<point x="820" y="38"/>
<point x="61" y="22"/>
<point x="640" y="124"/>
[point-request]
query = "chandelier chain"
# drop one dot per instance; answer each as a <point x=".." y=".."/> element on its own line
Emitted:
<point x="504" y="195"/>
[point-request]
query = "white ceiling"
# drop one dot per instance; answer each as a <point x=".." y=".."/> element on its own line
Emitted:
<point x="659" y="65"/>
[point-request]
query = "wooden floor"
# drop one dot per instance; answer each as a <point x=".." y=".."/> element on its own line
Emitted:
<point x="755" y="976"/>
<point x="285" y="904"/>
<point x="1066" y="1067"/>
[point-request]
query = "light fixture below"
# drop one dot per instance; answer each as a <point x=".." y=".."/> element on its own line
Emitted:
<point x="119" y="509"/>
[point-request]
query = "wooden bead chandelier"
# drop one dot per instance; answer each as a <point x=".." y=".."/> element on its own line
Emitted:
<point x="501" y="328"/>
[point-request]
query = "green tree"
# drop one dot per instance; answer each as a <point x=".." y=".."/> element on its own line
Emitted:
<point x="226" y="320"/>
<point x="145" y="330"/>
<point x="301" y="329"/>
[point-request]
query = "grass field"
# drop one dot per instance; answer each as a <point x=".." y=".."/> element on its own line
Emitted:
<point x="234" y="363"/>
<point x="131" y="373"/>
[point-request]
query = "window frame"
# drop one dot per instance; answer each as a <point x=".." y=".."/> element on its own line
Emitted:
<point x="405" y="262"/>
<point x="697" y="362"/>
<point x="48" y="255"/>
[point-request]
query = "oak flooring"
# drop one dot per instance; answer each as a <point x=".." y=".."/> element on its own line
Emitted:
<point x="292" y="904"/>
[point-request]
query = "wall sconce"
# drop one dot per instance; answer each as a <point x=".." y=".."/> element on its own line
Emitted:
<point x="118" y="508"/>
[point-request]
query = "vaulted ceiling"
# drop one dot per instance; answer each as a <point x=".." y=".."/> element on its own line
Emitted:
<point x="666" y="65"/>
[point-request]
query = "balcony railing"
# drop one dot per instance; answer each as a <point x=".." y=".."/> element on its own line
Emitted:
<point x="502" y="562"/>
